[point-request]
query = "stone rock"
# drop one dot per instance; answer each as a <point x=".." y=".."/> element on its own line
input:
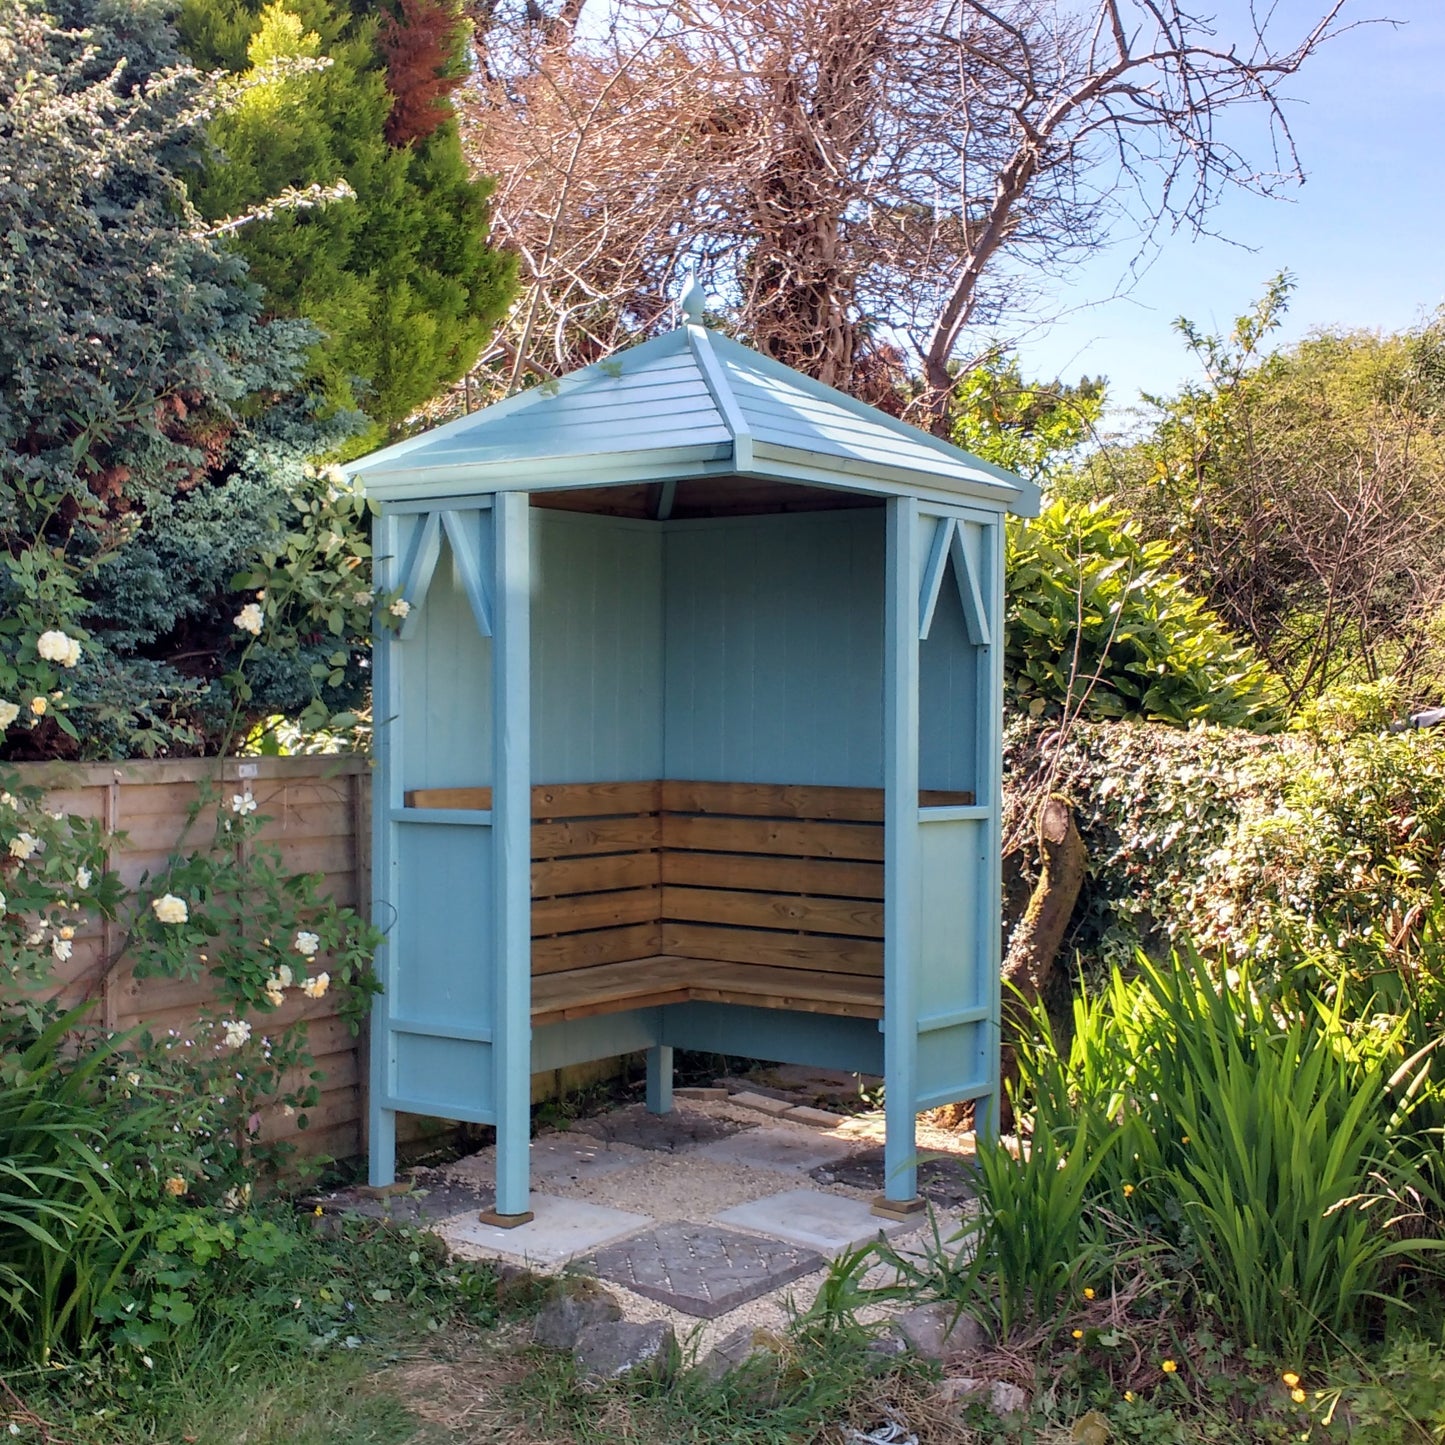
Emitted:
<point x="700" y="1094"/>
<point x="1090" y="1429"/>
<point x="743" y="1344"/>
<point x="814" y="1118"/>
<point x="888" y="1345"/>
<point x="762" y="1103"/>
<point x="582" y="1305"/>
<point x="1005" y="1399"/>
<point x="939" y="1329"/>
<point x="609" y="1350"/>
<point x="1000" y="1396"/>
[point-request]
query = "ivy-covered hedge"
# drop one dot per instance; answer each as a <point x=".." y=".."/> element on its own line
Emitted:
<point x="1327" y="845"/>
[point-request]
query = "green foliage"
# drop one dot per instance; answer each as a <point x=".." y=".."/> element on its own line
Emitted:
<point x="221" y="910"/>
<point x="1280" y="480"/>
<point x="153" y="441"/>
<point x="400" y="280"/>
<point x="1032" y="428"/>
<point x="1099" y="625"/>
<point x="1236" y="1149"/>
<point x="67" y="1234"/>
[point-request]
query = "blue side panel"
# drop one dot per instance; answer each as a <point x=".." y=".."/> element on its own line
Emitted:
<point x="774" y="649"/>
<point x="445" y="683"/>
<point x="603" y="1036"/>
<point x="954" y="989"/>
<point x="443" y="925"/>
<point x="596" y="648"/>
<point x="447" y="1078"/>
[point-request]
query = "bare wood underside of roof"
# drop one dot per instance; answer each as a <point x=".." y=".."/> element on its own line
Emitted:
<point x="703" y="497"/>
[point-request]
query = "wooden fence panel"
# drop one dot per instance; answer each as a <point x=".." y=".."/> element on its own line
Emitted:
<point x="319" y="810"/>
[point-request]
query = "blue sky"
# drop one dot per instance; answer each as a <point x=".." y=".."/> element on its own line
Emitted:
<point x="1364" y="236"/>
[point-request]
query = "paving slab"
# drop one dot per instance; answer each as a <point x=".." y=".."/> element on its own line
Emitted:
<point x="701" y="1269"/>
<point x="431" y="1198"/>
<point x="683" y="1128"/>
<point x="816" y="1220"/>
<point x="562" y="1229"/>
<point x="763" y="1103"/>
<point x="787" y="1150"/>
<point x="946" y="1182"/>
<point x="568" y="1158"/>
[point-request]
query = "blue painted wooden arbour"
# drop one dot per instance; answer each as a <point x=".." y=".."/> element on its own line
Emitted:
<point x="689" y="738"/>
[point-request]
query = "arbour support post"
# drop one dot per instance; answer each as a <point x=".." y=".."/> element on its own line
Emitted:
<point x="386" y="795"/>
<point x="900" y="855"/>
<point x="512" y="835"/>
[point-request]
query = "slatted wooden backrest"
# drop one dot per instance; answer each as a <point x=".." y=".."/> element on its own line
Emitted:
<point x="790" y="877"/>
<point x="748" y="873"/>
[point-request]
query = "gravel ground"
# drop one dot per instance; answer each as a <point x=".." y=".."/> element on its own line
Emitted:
<point x="689" y="1186"/>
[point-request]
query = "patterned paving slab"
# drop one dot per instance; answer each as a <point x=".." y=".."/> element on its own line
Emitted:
<point x="701" y="1269"/>
<point x="432" y="1197"/>
<point x="946" y="1182"/>
<point x="670" y="1133"/>
<point x="789" y="1151"/>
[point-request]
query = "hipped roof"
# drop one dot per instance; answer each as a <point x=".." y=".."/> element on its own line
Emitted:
<point x="690" y="403"/>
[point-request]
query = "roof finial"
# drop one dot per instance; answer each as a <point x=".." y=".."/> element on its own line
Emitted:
<point x="693" y="301"/>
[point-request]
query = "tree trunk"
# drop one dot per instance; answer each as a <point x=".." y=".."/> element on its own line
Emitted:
<point x="1029" y="963"/>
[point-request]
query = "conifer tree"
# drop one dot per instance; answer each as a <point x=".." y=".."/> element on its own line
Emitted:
<point x="400" y="281"/>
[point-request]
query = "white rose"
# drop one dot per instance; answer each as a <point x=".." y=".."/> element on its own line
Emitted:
<point x="315" y="987"/>
<point x="22" y="845"/>
<point x="283" y="975"/>
<point x="57" y="647"/>
<point x="400" y="608"/>
<point x="2" y="905"/>
<point x="62" y="948"/>
<point x="82" y="877"/>
<point x="170" y="909"/>
<point x="243" y="802"/>
<point x="307" y="943"/>
<point x="9" y="711"/>
<point x="248" y="619"/>
<point x="236" y="1032"/>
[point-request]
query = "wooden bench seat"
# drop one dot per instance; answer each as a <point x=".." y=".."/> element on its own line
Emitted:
<point x="647" y="982"/>
<point x="654" y="893"/>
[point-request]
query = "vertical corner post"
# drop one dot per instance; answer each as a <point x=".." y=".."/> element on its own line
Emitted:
<point x="659" y="1079"/>
<point x="900" y="848"/>
<point x="990" y="774"/>
<point x="512" y="843"/>
<point x="385" y="797"/>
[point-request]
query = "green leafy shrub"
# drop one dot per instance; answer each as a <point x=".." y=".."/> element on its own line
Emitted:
<point x="1100" y="625"/>
<point x="68" y="1233"/>
<point x="158" y="437"/>
<point x="1239" y="1148"/>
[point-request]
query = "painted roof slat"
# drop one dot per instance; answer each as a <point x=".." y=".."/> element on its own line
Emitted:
<point x="687" y="398"/>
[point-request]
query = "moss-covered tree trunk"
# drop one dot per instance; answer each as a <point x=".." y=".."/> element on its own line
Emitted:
<point x="1034" y="945"/>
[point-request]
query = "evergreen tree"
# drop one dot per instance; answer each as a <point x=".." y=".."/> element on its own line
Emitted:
<point x="153" y="438"/>
<point x="400" y="282"/>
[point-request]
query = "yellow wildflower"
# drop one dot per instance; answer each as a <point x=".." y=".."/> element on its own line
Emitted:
<point x="1128" y="1190"/>
<point x="175" y="1185"/>
<point x="1078" y="1334"/>
<point x="1290" y="1378"/>
<point x="1088" y="1294"/>
<point x="1129" y="1396"/>
<point x="1169" y="1367"/>
<point x="1298" y="1396"/>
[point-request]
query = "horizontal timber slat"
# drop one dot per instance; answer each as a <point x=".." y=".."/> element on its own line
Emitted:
<point x="595" y="835"/>
<point x="594" y="910"/>
<point x="758" y="871"/>
<point x="782" y="950"/>
<point x="790" y="838"/>
<point x="557" y="877"/>
<point x="856" y="917"/>
<point x="602" y="945"/>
